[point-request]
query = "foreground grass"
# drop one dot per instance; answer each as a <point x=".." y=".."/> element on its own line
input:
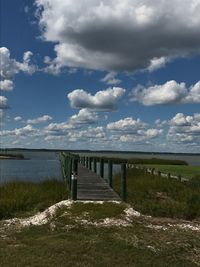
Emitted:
<point x="158" y="196"/>
<point x="66" y="241"/>
<point x="184" y="171"/>
<point x="22" y="198"/>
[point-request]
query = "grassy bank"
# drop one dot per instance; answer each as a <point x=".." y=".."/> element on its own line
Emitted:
<point x="184" y="171"/>
<point x="22" y="198"/>
<point x="69" y="239"/>
<point x="158" y="196"/>
<point x="157" y="161"/>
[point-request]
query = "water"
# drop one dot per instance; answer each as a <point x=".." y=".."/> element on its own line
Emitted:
<point x="37" y="167"/>
<point x="45" y="165"/>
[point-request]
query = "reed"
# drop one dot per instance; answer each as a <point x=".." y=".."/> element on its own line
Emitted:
<point x="158" y="196"/>
<point x="22" y="198"/>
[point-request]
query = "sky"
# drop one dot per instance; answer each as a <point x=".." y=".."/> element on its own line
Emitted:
<point x="100" y="74"/>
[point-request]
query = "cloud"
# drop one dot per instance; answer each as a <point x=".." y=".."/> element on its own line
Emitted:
<point x="126" y="125"/>
<point x="28" y="130"/>
<point x="110" y="79"/>
<point x="10" y="67"/>
<point x="117" y="35"/>
<point x="105" y="100"/>
<point x="84" y="116"/>
<point x="184" y="129"/>
<point x="130" y="130"/>
<point x="43" y="119"/>
<point x="157" y="63"/>
<point x="18" y="118"/>
<point x="169" y="93"/>
<point x="91" y="134"/>
<point x="6" y="85"/>
<point x="3" y="102"/>
<point x="142" y="135"/>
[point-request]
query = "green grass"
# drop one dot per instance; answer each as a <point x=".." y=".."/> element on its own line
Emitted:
<point x="184" y="171"/>
<point x="21" y="198"/>
<point x="158" y="196"/>
<point x="158" y="161"/>
<point x="94" y="246"/>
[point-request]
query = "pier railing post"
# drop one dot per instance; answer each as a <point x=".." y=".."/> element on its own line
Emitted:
<point x="95" y="164"/>
<point x="87" y="163"/>
<point x="73" y="187"/>
<point x="102" y="167"/>
<point x="110" y="172"/>
<point x="90" y="163"/>
<point x="123" y="182"/>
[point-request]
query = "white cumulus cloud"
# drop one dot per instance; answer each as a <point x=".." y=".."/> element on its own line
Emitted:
<point x="10" y="67"/>
<point x="84" y="116"/>
<point x="42" y="119"/>
<point x="168" y="93"/>
<point x="6" y="85"/>
<point x="105" y="100"/>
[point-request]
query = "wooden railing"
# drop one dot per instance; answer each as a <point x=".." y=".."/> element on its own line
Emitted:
<point x="91" y="164"/>
<point x="69" y="165"/>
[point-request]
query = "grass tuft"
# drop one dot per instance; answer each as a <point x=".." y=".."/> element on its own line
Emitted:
<point x="22" y="198"/>
<point x="158" y="196"/>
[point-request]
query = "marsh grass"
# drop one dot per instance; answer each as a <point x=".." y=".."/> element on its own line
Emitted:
<point x="23" y="198"/>
<point x="184" y="171"/>
<point x="158" y="196"/>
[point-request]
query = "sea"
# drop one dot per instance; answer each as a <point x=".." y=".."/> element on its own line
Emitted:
<point x="42" y="165"/>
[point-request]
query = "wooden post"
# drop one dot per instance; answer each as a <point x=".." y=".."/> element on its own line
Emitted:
<point x="74" y="187"/>
<point x="87" y="163"/>
<point x="110" y="172"/>
<point x="84" y="161"/>
<point x="123" y="182"/>
<point x="168" y="176"/>
<point x="152" y="171"/>
<point x="159" y="173"/>
<point x="179" y="177"/>
<point x="95" y="164"/>
<point x="90" y="163"/>
<point x="69" y="171"/>
<point x="102" y="167"/>
<point x="75" y="166"/>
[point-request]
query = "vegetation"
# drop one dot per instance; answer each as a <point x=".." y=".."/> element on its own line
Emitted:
<point x="65" y="242"/>
<point x="184" y="171"/>
<point x="158" y="196"/>
<point x="157" y="161"/>
<point x="22" y="198"/>
<point x="11" y="156"/>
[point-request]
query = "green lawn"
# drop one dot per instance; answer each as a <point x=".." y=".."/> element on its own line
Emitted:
<point x="184" y="171"/>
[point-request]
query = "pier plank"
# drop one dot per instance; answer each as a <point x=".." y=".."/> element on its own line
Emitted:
<point x="90" y="186"/>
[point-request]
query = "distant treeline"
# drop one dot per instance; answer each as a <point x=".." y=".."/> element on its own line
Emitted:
<point x="100" y="151"/>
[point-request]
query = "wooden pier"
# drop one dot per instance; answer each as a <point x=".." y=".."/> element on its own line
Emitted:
<point x="90" y="186"/>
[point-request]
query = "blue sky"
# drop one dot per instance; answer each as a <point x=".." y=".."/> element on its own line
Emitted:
<point x="100" y="75"/>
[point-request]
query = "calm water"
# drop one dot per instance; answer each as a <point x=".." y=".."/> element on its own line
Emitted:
<point x="39" y="166"/>
<point x="45" y="165"/>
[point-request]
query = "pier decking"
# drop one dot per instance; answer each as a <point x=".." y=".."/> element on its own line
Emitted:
<point x="90" y="186"/>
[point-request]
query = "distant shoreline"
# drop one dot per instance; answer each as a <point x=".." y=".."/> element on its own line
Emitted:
<point x="100" y="151"/>
<point x="9" y="156"/>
